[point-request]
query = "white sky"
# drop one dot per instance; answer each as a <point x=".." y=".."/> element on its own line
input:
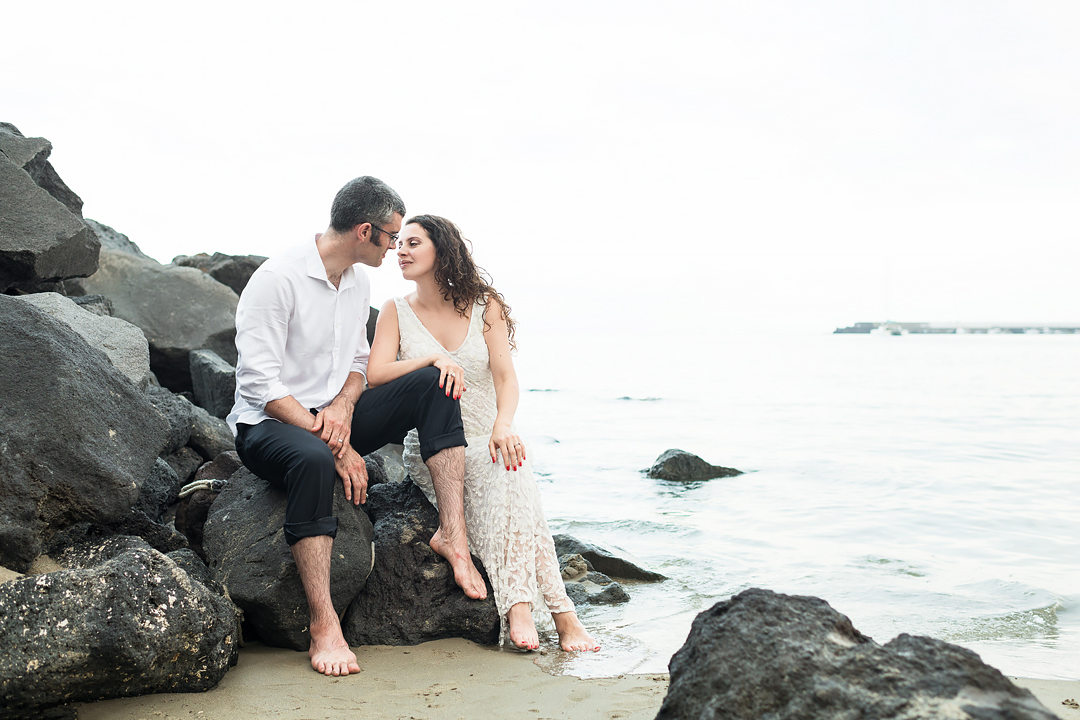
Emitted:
<point x="624" y="164"/>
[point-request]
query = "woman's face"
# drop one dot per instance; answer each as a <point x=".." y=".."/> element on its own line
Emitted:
<point x="416" y="252"/>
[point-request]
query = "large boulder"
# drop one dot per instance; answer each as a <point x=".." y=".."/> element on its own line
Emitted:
<point x="411" y="596"/>
<point x="231" y="270"/>
<point x="129" y="621"/>
<point x="245" y="546"/>
<point x="765" y="655"/>
<point x="41" y="241"/>
<point x="603" y="560"/>
<point x="681" y="465"/>
<point x="179" y="309"/>
<point x="123" y="343"/>
<point x="213" y="382"/>
<point x="32" y="155"/>
<point x="77" y="438"/>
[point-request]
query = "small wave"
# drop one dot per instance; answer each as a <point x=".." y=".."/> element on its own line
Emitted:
<point x="1034" y="624"/>
<point x="544" y="390"/>
<point x="641" y="399"/>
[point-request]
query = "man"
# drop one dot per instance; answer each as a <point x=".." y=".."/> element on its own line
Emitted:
<point x="302" y="417"/>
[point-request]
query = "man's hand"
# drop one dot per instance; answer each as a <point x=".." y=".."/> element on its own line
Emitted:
<point x="333" y="425"/>
<point x="350" y="466"/>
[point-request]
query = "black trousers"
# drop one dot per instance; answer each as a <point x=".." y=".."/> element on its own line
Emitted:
<point x="300" y="463"/>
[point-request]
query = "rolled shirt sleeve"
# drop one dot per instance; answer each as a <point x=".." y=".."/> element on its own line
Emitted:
<point x="262" y="325"/>
<point x="363" y="348"/>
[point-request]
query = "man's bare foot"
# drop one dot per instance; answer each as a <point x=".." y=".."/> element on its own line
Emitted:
<point x="522" y="628"/>
<point x="466" y="575"/>
<point x="329" y="652"/>
<point x="573" y="637"/>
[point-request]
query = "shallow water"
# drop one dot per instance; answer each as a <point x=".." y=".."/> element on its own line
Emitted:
<point x="919" y="484"/>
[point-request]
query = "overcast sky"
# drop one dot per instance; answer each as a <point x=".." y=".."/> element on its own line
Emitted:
<point x="624" y="164"/>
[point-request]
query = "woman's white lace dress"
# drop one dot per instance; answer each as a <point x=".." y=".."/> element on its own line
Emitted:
<point x="503" y="516"/>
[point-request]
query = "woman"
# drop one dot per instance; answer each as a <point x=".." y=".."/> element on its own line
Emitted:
<point x="455" y="307"/>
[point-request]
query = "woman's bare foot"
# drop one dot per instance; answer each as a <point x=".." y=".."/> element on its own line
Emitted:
<point x="329" y="652"/>
<point x="573" y="637"/>
<point x="522" y="628"/>
<point x="466" y="575"/>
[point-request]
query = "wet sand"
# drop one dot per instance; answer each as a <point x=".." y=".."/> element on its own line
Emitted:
<point x="441" y="679"/>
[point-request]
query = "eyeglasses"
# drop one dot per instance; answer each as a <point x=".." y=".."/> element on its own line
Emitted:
<point x="393" y="236"/>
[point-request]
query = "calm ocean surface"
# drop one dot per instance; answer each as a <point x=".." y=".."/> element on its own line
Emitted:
<point x="919" y="484"/>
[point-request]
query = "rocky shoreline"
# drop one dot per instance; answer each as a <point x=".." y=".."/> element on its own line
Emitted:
<point x="136" y="552"/>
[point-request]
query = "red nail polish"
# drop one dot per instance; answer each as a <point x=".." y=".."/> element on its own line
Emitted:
<point x="507" y="467"/>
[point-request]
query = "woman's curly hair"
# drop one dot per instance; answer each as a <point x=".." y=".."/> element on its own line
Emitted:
<point x="461" y="280"/>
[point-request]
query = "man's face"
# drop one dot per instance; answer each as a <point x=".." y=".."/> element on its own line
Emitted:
<point x="380" y="241"/>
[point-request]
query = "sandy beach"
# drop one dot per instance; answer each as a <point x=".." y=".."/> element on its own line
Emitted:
<point x="441" y="679"/>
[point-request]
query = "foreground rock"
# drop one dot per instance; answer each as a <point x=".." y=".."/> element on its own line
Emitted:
<point x="78" y="437"/>
<point x="123" y="343"/>
<point x="681" y="465"/>
<point x="231" y="270"/>
<point x="411" y="597"/>
<point x="603" y="560"/>
<point x="179" y="309"/>
<point x="41" y="240"/>
<point x="245" y="547"/>
<point x="764" y="655"/>
<point x="129" y="622"/>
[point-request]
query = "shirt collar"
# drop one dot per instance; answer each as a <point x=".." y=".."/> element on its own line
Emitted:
<point x="317" y="270"/>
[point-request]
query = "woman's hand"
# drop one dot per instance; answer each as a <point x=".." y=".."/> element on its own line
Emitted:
<point x="452" y="375"/>
<point x="509" y="444"/>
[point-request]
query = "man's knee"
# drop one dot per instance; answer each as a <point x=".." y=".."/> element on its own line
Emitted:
<point x="425" y="378"/>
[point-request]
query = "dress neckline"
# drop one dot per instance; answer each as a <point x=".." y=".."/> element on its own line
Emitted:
<point x="420" y="322"/>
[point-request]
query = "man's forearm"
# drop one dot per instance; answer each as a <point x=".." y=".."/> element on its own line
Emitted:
<point x="288" y="410"/>
<point x="350" y="391"/>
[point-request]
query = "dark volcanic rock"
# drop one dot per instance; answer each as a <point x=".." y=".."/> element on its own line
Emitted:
<point x="122" y="342"/>
<point x="178" y="412"/>
<point x="178" y="309"/>
<point x="411" y="596"/>
<point x="32" y="155"/>
<point x="211" y="436"/>
<point x="159" y="490"/>
<point x="603" y="560"/>
<point x="245" y="547"/>
<point x="41" y="241"/>
<point x="213" y="382"/>
<point x="220" y="468"/>
<point x="185" y="462"/>
<point x="135" y="624"/>
<point x="231" y="270"/>
<point x="77" y="439"/>
<point x="764" y="655"/>
<point x="681" y="465"/>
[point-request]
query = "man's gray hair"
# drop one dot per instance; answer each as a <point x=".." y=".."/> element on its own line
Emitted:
<point x="364" y="200"/>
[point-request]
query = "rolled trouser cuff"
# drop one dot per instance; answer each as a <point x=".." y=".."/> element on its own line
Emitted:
<point x="429" y="446"/>
<point x="297" y="531"/>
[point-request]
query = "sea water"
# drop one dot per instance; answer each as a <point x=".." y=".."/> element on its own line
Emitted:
<point x="920" y="484"/>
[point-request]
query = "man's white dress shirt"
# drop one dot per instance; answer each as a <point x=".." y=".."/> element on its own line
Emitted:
<point x="296" y="334"/>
